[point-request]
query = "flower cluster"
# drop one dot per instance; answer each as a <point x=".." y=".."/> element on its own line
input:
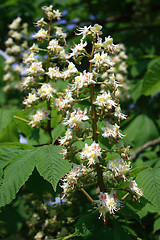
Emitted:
<point x="108" y="203"/>
<point x="16" y="45"/>
<point x="89" y="108"/>
<point x="96" y="123"/>
<point x="41" y="114"/>
<point x="41" y="70"/>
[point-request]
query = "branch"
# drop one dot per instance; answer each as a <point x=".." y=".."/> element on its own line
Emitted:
<point x="143" y="147"/>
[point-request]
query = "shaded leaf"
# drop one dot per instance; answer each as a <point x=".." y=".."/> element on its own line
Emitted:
<point x="149" y="180"/>
<point x="141" y="130"/>
<point x="151" y="80"/>
<point x="6" y="116"/>
<point x="156" y="225"/>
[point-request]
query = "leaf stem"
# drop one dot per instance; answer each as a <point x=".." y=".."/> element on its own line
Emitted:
<point x="87" y="195"/>
<point x="22" y="119"/>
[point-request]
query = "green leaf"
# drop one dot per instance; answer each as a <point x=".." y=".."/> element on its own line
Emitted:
<point x="87" y="224"/>
<point x="15" y="175"/>
<point x="156" y="225"/>
<point x="6" y="116"/>
<point x="135" y="89"/>
<point x="39" y="137"/>
<point x="9" y="133"/>
<point x="51" y="165"/>
<point x="146" y="209"/>
<point x="57" y="131"/>
<point x="129" y="213"/>
<point x="16" y="145"/>
<point x="151" y="80"/>
<point x="141" y="130"/>
<point x="149" y="180"/>
<point x="135" y="171"/>
<point x="119" y="232"/>
<point x="35" y="181"/>
<point x="22" y="126"/>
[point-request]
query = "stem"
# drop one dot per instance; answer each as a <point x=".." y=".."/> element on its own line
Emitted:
<point x="94" y="126"/>
<point x="22" y="119"/>
<point x="49" y="129"/>
<point x="125" y="196"/>
<point x="87" y="195"/>
<point x="68" y="237"/>
<point x="143" y="147"/>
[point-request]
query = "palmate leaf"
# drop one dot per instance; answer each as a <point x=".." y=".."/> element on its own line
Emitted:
<point x="50" y="164"/>
<point x="141" y="130"/>
<point x="149" y="181"/>
<point x="57" y="131"/>
<point x="15" y="175"/>
<point x="151" y="81"/>
<point x="6" y="116"/>
<point x="16" y="165"/>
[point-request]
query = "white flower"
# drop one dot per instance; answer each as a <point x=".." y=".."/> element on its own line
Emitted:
<point x="29" y="58"/>
<point x="119" y="77"/>
<point x="32" y="97"/>
<point x="79" y="81"/>
<point x="15" y="24"/>
<point x="34" y="48"/>
<point x="78" y="49"/>
<point x="46" y="90"/>
<point x="118" y="113"/>
<point x="41" y="114"/>
<point x="60" y="33"/>
<point x="108" y="203"/>
<point x="84" y="31"/>
<point x="54" y="46"/>
<point x="35" y="68"/>
<point x="70" y="70"/>
<point x="27" y="81"/>
<point x="105" y="100"/>
<point x="15" y="49"/>
<point x="92" y="153"/>
<point x="123" y="55"/>
<point x="108" y="41"/>
<point x="119" y="167"/>
<point x="9" y="42"/>
<point x="102" y="60"/>
<point x="16" y="35"/>
<point x="47" y="9"/>
<point x="18" y="68"/>
<point x="41" y="23"/>
<point x="68" y="97"/>
<point x="71" y="178"/>
<point x="41" y="34"/>
<point x="10" y="60"/>
<point x="57" y="14"/>
<point x="76" y="118"/>
<point x="111" y="131"/>
<point x="96" y="29"/>
<point x="7" y="76"/>
<point x="123" y="67"/>
<point x="68" y="136"/>
<point x="134" y="187"/>
<point x="53" y="72"/>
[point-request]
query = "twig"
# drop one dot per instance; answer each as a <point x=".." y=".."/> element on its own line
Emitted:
<point x="87" y="195"/>
<point x="143" y="147"/>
